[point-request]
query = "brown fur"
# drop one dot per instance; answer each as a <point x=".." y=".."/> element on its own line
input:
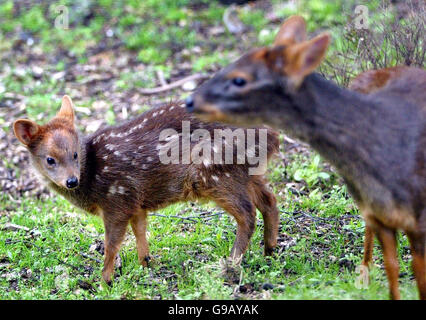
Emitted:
<point x="122" y="179"/>
<point x="376" y="141"/>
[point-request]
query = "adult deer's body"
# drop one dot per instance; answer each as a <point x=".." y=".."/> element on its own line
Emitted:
<point x="117" y="173"/>
<point x="373" y="81"/>
<point x="377" y="141"/>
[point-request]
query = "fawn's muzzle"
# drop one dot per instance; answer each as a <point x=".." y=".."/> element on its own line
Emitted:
<point x="72" y="183"/>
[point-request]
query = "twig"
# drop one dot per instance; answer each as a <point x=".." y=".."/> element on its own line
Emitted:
<point x="161" y="78"/>
<point x="173" y="85"/>
<point x="89" y="257"/>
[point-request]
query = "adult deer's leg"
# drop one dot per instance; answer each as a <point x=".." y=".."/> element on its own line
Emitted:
<point x="368" y="246"/>
<point x="387" y="238"/>
<point x="418" y="243"/>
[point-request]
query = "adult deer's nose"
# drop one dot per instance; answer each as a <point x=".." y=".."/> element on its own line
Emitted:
<point x="72" y="182"/>
<point x="189" y="102"/>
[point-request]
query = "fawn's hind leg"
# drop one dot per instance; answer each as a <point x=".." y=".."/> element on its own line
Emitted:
<point x="114" y="234"/>
<point x="387" y="238"/>
<point x="418" y="243"/>
<point x="243" y="210"/>
<point x="139" y="223"/>
<point x="267" y="204"/>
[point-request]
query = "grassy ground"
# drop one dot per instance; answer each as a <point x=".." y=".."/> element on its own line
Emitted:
<point x="110" y="51"/>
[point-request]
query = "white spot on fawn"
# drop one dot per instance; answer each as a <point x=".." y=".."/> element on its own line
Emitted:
<point x="112" y="189"/>
<point x="98" y="138"/>
<point x="206" y="162"/>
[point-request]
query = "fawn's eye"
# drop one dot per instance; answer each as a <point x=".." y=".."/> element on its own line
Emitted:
<point x="75" y="155"/>
<point x="50" y="161"/>
<point x="239" y="82"/>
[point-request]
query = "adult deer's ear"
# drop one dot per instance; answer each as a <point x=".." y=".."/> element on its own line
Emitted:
<point x="25" y="130"/>
<point x="66" y="110"/>
<point x="292" y="31"/>
<point x="303" y="58"/>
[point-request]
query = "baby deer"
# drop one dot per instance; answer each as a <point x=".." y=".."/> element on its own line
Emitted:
<point x="119" y="174"/>
<point x="376" y="141"/>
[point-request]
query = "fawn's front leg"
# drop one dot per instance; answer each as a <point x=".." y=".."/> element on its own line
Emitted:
<point x="139" y="223"/>
<point x="114" y="234"/>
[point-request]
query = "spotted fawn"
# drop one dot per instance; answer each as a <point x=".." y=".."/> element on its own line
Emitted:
<point x="117" y="174"/>
<point x="376" y="139"/>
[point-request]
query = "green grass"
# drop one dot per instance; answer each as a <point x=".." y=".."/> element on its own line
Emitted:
<point x="321" y="232"/>
<point x="186" y="258"/>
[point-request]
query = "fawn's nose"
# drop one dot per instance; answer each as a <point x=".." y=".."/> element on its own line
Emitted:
<point x="189" y="102"/>
<point x="72" y="182"/>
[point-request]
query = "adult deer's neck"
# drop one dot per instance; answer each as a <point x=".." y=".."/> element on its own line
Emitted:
<point x="343" y="126"/>
<point x="329" y="117"/>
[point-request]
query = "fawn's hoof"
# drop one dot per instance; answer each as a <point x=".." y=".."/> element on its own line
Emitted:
<point x="269" y="251"/>
<point x="145" y="261"/>
<point x="231" y="269"/>
<point x="107" y="281"/>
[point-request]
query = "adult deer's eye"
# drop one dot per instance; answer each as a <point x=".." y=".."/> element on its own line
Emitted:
<point x="75" y="155"/>
<point x="50" y="161"/>
<point x="239" y="82"/>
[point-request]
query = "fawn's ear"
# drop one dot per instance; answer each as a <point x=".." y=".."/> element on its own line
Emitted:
<point x="25" y="130"/>
<point x="303" y="58"/>
<point x="66" y="110"/>
<point x="292" y="31"/>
